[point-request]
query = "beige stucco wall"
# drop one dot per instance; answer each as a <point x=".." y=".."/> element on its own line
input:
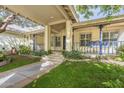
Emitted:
<point x="40" y="41"/>
<point x="95" y="32"/>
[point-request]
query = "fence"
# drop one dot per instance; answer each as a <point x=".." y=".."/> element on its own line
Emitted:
<point x="93" y="47"/>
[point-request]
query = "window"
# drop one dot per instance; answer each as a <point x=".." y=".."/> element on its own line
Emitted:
<point x="110" y="36"/>
<point x="106" y="36"/>
<point x="52" y="41"/>
<point x="85" y="39"/>
<point x="57" y="41"/>
<point x="113" y="36"/>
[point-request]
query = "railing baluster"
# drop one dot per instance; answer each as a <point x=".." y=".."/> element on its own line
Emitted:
<point x="92" y="47"/>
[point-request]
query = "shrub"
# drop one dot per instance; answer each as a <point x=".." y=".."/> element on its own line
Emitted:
<point x="72" y="54"/>
<point x="8" y="59"/>
<point x="2" y="56"/>
<point x="41" y="53"/>
<point x="24" y="49"/>
<point x="5" y="58"/>
<point x="120" y="51"/>
<point x="49" y="52"/>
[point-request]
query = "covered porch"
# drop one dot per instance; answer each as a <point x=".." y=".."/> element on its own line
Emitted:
<point x="63" y="31"/>
<point x="57" y="21"/>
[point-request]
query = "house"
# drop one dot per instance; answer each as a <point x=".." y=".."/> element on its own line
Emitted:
<point x="63" y="31"/>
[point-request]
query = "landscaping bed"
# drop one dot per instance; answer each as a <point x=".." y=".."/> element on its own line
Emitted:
<point x="17" y="61"/>
<point x="2" y="63"/>
<point x="82" y="75"/>
<point x="23" y="56"/>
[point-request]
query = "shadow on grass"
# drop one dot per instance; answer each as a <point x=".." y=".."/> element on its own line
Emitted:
<point x="82" y="74"/>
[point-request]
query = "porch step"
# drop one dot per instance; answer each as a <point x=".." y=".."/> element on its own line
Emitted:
<point x="55" y="57"/>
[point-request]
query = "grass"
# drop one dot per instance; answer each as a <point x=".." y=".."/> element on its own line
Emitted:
<point x="81" y="75"/>
<point x="18" y="61"/>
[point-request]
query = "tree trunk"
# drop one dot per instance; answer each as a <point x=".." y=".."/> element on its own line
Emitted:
<point x="5" y="23"/>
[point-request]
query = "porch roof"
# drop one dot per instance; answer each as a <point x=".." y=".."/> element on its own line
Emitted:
<point x="50" y="14"/>
<point x="44" y="14"/>
<point x="101" y="21"/>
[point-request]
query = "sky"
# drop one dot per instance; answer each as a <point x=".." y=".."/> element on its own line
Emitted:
<point x="96" y="16"/>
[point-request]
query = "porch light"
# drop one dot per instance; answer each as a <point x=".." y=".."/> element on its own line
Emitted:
<point x="51" y="17"/>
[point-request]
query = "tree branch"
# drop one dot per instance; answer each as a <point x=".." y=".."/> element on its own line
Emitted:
<point x="5" y="23"/>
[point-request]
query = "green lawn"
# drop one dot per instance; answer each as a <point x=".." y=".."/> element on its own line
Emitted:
<point x="19" y="61"/>
<point x="80" y="75"/>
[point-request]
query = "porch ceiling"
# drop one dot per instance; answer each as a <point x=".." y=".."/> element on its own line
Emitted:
<point x="58" y="27"/>
<point x="43" y="14"/>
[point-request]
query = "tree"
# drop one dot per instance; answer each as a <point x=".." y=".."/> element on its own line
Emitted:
<point x="4" y="23"/>
<point x="106" y="10"/>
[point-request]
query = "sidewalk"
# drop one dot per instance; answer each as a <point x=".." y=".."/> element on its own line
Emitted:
<point x="22" y="76"/>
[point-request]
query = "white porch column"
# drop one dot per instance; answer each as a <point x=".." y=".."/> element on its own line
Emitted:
<point x="68" y="35"/>
<point x="47" y="35"/>
<point x="29" y="39"/>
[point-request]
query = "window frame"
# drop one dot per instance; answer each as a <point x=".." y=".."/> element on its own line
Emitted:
<point x="109" y="35"/>
<point x="85" y="40"/>
<point x="110" y="41"/>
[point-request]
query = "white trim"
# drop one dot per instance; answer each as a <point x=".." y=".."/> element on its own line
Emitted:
<point x="57" y="22"/>
<point x="60" y="8"/>
<point x="74" y="13"/>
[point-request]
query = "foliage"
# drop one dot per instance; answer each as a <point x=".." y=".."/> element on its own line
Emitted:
<point x="8" y="59"/>
<point x="2" y="56"/>
<point x="49" y="52"/>
<point x="24" y="49"/>
<point x="72" y="54"/>
<point x="82" y="75"/>
<point x="39" y="53"/>
<point x="5" y="58"/>
<point x="120" y="51"/>
<point x="106" y="10"/>
<point x="85" y="10"/>
<point x="113" y="83"/>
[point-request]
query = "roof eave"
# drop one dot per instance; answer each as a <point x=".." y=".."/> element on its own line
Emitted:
<point x="71" y="7"/>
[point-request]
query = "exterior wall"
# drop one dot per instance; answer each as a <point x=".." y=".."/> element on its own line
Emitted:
<point x="60" y="34"/>
<point x="9" y="40"/>
<point x="95" y="33"/>
<point x="106" y="48"/>
<point x="93" y="30"/>
<point x="40" y="42"/>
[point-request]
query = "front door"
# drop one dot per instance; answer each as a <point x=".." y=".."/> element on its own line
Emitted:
<point x="64" y="42"/>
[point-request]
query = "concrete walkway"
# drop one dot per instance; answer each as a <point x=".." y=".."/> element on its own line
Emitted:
<point x="113" y="62"/>
<point x="22" y="76"/>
